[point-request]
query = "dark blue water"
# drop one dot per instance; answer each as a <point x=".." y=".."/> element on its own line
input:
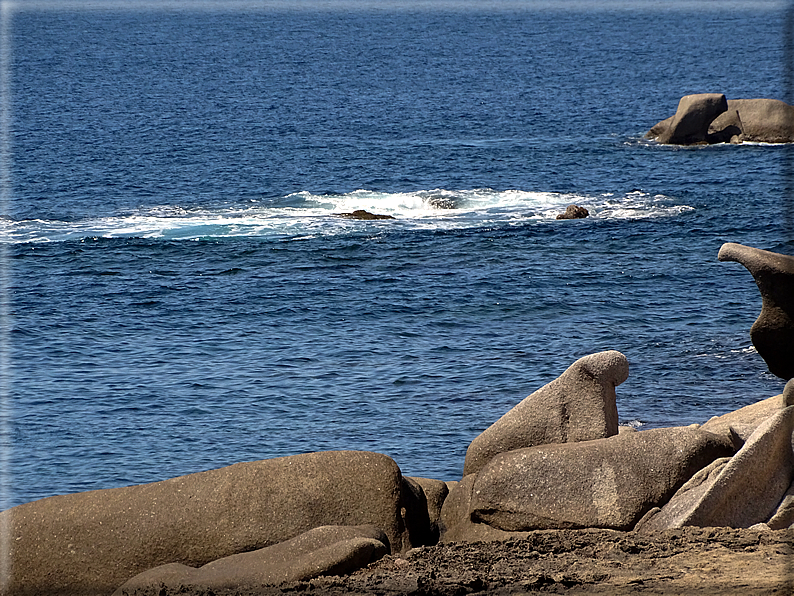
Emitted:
<point x="183" y="295"/>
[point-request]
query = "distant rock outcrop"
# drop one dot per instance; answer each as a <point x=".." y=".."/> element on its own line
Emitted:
<point x="574" y="212"/>
<point x="711" y="118"/>
<point x="691" y="121"/>
<point x="772" y="333"/>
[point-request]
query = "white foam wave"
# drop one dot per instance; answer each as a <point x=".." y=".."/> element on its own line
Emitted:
<point x="306" y="215"/>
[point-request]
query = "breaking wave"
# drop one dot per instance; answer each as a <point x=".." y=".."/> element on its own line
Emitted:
<point x="304" y="214"/>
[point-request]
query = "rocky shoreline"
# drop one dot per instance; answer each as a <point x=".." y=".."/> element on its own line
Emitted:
<point x="555" y="497"/>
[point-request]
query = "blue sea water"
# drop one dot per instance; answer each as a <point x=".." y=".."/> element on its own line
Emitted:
<point x="182" y="294"/>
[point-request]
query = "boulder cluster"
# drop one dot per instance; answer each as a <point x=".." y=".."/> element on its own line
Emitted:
<point x="557" y="460"/>
<point x="707" y="118"/>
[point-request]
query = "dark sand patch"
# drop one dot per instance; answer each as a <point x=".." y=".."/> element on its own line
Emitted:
<point x="684" y="561"/>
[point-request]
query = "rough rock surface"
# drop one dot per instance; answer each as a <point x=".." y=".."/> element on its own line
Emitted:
<point x="456" y="523"/>
<point x="327" y="550"/>
<point x="772" y="333"/>
<point x="604" y="483"/>
<point x="703" y="561"/>
<point x="435" y="492"/>
<point x="740" y="492"/>
<point x="577" y="406"/>
<point x="691" y="121"/>
<point x="92" y="542"/>
<point x="574" y="212"/>
<point x="784" y="514"/>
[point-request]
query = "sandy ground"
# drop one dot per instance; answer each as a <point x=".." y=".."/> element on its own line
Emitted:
<point x="686" y="561"/>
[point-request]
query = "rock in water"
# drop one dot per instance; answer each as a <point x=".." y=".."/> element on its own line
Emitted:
<point x="366" y="215"/>
<point x="691" y="121"/>
<point x="605" y="483"/>
<point x="574" y="212"/>
<point x="772" y="333"/>
<point x="755" y="120"/>
<point x="577" y="406"/>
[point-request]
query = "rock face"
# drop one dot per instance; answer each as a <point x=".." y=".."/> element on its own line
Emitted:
<point x="692" y="119"/>
<point x="710" y="118"/>
<point x="604" y="483"/>
<point x="577" y="406"/>
<point x="772" y="333"/>
<point x="574" y="212"/>
<point x="92" y="542"/>
<point x="327" y="550"/>
<point x="754" y="120"/>
<point x="435" y="492"/>
<point x="784" y="514"/>
<point x="741" y="491"/>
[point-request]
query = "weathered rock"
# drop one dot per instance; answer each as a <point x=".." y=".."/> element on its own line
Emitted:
<point x="741" y="491"/>
<point x="365" y="215"/>
<point x="740" y="424"/>
<point x="772" y="333"/>
<point x="327" y="550"/>
<point x="784" y="514"/>
<point x="456" y="523"/>
<point x="754" y="120"/>
<point x="577" y="406"/>
<point x="92" y="542"/>
<point x="435" y="492"/>
<point x="604" y="483"/>
<point x="692" y="119"/>
<point x="574" y="212"/>
<point x="415" y="513"/>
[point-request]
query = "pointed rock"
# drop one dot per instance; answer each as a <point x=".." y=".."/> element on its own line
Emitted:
<point x="772" y="333"/>
<point x="577" y="406"/>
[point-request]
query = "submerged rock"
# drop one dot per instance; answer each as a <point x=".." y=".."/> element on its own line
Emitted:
<point x="366" y="215"/>
<point x="574" y="212"/>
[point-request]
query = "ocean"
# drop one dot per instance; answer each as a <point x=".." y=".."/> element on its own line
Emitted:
<point x="180" y="292"/>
